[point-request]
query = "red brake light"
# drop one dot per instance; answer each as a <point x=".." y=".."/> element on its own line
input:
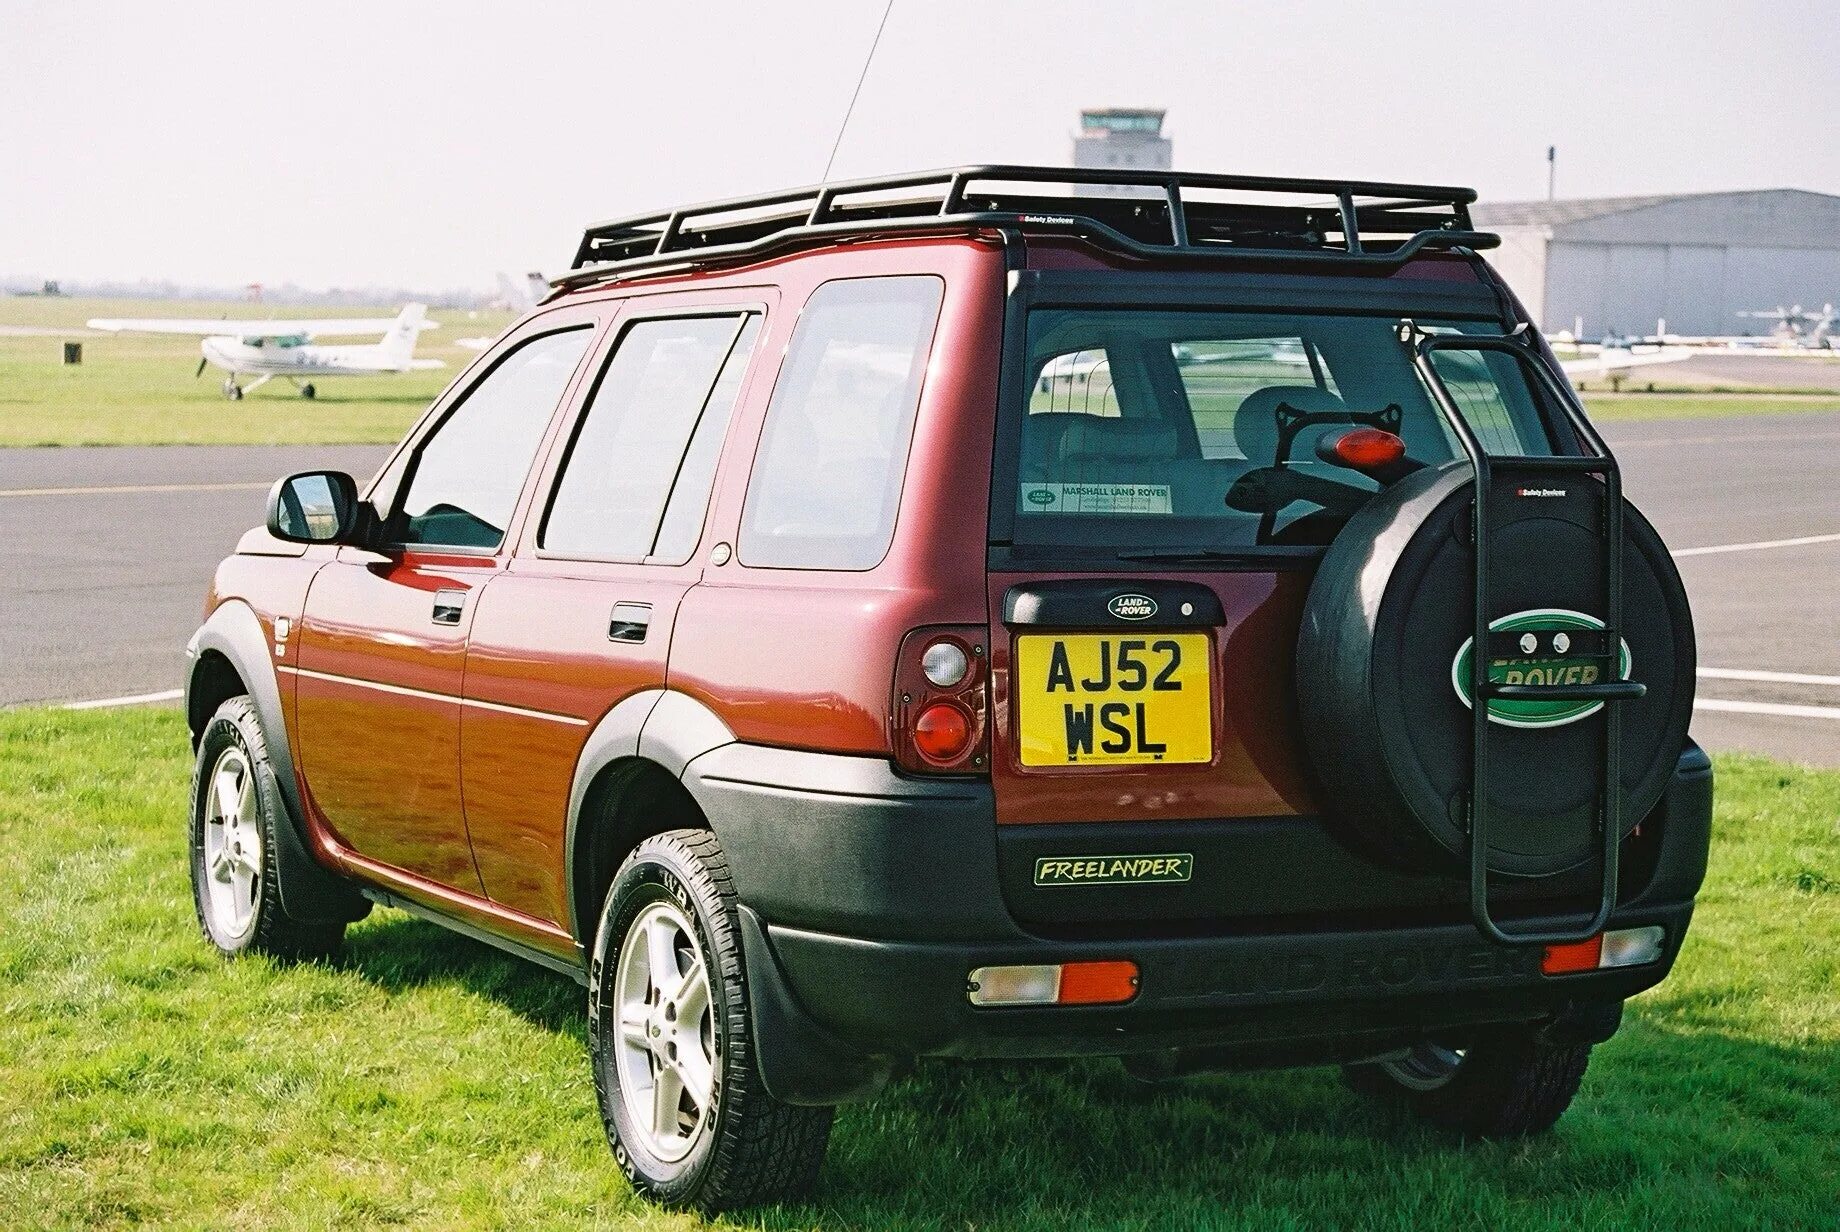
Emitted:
<point x="942" y="733"/>
<point x="1366" y="449"/>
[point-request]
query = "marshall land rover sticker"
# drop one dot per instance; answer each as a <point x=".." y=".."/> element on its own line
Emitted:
<point x="1113" y="870"/>
<point x="1096" y="498"/>
<point x="1545" y="639"/>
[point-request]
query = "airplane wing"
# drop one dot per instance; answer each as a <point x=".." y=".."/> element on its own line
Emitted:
<point x="326" y="327"/>
<point x="1616" y="361"/>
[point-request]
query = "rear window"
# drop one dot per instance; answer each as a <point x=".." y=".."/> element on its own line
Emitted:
<point x="1186" y="430"/>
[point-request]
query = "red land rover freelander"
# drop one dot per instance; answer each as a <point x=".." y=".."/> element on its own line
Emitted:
<point x="962" y="615"/>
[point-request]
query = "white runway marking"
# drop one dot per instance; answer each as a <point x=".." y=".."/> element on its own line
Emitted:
<point x="138" y="699"/>
<point x="115" y="490"/>
<point x="1780" y="709"/>
<point x="1735" y="673"/>
<point x="1799" y="541"/>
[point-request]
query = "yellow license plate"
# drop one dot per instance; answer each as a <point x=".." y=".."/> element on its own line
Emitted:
<point x="1094" y="699"/>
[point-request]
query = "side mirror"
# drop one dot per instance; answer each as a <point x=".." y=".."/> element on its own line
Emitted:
<point x="314" y="507"/>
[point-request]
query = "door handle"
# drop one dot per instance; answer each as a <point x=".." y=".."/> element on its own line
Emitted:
<point x="630" y="622"/>
<point x="448" y="605"/>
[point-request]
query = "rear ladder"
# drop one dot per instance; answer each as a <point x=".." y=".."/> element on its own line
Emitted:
<point x="1501" y="469"/>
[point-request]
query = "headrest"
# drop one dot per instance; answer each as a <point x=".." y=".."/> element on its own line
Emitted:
<point x="1255" y="424"/>
<point x="1096" y="439"/>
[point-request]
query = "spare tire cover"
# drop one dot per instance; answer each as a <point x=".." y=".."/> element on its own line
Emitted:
<point x="1384" y="709"/>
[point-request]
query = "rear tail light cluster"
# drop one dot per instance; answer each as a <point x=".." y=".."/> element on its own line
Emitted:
<point x="938" y="715"/>
<point x="1623" y="947"/>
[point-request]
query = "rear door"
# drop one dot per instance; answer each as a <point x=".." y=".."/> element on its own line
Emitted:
<point x="581" y="619"/>
<point x="1158" y="507"/>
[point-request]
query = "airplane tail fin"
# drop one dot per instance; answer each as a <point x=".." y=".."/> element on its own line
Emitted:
<point x="399" y="343"/>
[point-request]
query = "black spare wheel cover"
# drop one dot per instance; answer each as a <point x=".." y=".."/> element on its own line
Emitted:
<point x="1387" y="730"/>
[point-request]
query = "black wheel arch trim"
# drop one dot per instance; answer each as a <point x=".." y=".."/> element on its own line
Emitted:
<point x="309" y="890"/>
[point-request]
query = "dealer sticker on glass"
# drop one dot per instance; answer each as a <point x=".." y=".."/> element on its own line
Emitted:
<point x="1096" y="498"/>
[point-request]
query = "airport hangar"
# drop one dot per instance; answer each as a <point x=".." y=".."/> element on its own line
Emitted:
<point x="1697" y="260"/>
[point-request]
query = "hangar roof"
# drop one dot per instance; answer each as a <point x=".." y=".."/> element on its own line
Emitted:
<point x="1778" y="217"/>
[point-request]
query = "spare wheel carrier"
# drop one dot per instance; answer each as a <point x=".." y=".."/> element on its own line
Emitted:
<point x="1384" y="713"/>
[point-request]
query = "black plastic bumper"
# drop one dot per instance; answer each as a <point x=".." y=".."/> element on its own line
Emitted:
<point x="869" y="898"/>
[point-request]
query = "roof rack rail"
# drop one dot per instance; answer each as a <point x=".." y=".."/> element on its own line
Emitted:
<point x="1152" y="214"/>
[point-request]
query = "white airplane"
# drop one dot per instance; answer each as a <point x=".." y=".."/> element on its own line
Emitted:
<point x="268" y="349"/>
<point x="513" y="297"/>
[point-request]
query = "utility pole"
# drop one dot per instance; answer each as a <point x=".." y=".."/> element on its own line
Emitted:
<point x="1552" y="170"/>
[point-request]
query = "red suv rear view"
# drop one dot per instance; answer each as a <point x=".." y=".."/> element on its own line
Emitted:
<point x="962" y="615"/>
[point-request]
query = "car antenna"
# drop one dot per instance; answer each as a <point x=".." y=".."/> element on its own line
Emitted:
<point x="861" y="77"/>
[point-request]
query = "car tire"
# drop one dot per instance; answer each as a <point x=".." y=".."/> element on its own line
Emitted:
<point x="236" y="872"/>
<point x="686" y="1113"/>
<point x="1510" y="1083"/>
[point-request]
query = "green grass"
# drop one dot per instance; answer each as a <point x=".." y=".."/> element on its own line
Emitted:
<point x="425" y="1081"/>
<point x="1611" y="407"/>
<point x="139" y="389"/>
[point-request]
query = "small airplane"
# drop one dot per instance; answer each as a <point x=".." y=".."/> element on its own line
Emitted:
<point x="1800" y="327"/>
<point x="513" y="297"/>
<point x="268" y="349"/>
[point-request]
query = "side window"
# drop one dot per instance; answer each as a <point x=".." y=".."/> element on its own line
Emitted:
<point x="1076" y="382"/>
<point x="645" y="450"/>
<point x="1495" y="397"/>
<point x="1220" y="375"/>
<point x="465" y="479"/>
<point x="827" y="479"/>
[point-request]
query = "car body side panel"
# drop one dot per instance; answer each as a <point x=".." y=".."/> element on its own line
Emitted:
<point x="805" y="658"/>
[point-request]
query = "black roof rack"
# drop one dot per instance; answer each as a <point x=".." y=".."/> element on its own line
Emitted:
<point x="1142" y="213"/>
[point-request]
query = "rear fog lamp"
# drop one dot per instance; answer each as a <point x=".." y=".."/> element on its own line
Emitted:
<point x="1081" y="983"/>
<point x="1624" y="947"/>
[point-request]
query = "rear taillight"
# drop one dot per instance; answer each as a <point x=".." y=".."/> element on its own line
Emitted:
<point x="938" y="714"/>
<point x="942" y="733"/>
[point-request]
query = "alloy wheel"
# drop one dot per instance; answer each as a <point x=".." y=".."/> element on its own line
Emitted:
<point x="669" y="1075"/>
<point x="232" y="844"/>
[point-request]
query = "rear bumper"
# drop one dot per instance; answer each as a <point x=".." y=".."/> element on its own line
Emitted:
<point x="869" y="898"/>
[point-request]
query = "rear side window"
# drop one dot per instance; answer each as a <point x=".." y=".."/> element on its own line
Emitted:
<point x="827" y="479"/>
<point x="648" y="441"/>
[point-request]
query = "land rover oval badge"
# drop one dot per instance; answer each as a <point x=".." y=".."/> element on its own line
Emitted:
<point x="1539" y="667"/>
<point x="1132" y="607"/>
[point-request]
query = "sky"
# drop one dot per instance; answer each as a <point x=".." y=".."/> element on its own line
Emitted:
<point x="328" y="143"/>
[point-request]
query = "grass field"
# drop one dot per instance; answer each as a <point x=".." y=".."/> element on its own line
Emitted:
<point x="425" y="1081"/>
<point x="139" y="389"/>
